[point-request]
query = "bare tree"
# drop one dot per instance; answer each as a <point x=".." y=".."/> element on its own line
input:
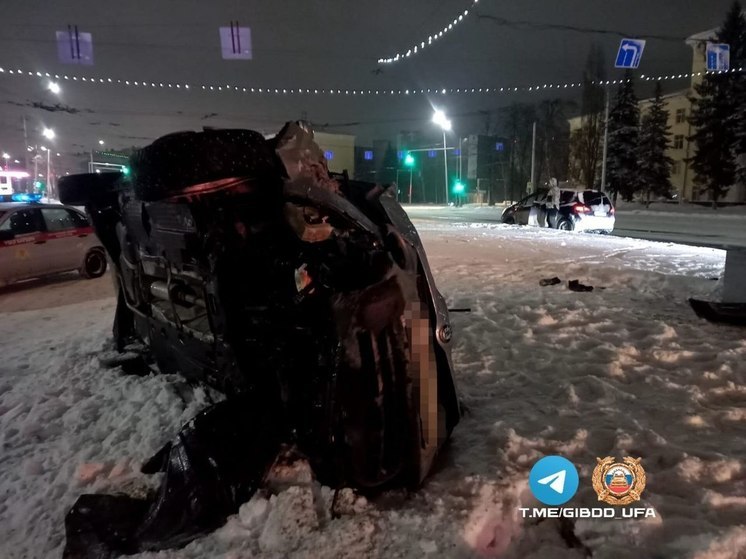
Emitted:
<point x="585" y="142"/>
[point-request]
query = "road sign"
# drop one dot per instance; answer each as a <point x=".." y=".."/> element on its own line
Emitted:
<point x="718" y="57"/>
<point x="630" y="53"/>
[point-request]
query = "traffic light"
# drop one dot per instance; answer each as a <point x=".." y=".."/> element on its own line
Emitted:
<point x="458" y="188"/>
<point x="409" y="160"/>
<point x="125" y="170"/>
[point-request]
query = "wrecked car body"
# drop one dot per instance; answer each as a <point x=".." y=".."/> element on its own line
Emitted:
<point x="303" y="296"/>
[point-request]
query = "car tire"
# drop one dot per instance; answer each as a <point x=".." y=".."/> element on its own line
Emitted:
<point x="565" y="224"/>
<point x="509" y="221"/>
<point x="169" y="165"/>
<point x="84" y="188"/>
<point x="94" y="264"/>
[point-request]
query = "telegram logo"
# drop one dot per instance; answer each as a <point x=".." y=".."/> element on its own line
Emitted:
<point x="553" y="480"/>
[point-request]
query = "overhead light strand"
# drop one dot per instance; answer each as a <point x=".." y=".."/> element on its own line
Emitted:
<point x="431" y="39"/>
<point x="285" y="91"/>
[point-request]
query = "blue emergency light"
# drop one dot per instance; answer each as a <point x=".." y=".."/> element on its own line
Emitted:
<point x="25" y="197"/>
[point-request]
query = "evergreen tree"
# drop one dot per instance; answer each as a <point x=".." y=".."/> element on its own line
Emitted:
<point x="624" y="132"/>
<point x="718" y="116"/>
<point x="389" y="165"/>
<point x="654" y="166"/>
<point x="735" y="31"/>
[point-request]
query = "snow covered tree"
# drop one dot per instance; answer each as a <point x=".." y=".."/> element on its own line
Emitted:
<point x="718" y="116"/>
<point x="624" y="132"/>
<point x="654" y="166"/>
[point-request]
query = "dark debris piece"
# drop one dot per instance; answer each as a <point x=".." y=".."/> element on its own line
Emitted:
<point x="575" y="285"/>
<point x="550" y="281"/>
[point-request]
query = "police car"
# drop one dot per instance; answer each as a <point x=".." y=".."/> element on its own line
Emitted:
<point x="41" y="239"/>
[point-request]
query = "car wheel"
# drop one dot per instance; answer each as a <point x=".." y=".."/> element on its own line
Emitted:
<point x="565" y="224"/>
<point x="509" y="221"/>
<point x="169" y="165"/>
<point x="82" y="189"/>
<point x="94" y="265"/>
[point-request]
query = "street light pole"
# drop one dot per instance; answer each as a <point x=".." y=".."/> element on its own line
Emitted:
<point x="440" y="119"/>
<point x="49" y="175"/>
<point x="445" y="163"/>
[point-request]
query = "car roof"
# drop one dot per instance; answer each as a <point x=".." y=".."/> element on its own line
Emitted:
<point x="5" y="206"/>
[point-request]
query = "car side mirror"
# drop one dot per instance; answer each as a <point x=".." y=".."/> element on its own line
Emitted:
<point x="7" y="235"/>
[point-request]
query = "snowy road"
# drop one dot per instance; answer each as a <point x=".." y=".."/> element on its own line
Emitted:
<point x="702" y="227"/>
<point x="624" y="370"/>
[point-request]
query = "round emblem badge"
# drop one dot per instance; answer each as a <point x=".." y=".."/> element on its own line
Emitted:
<point x="618" y="483"/>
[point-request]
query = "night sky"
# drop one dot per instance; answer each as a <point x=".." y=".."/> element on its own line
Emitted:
<point x="312" y="44"/>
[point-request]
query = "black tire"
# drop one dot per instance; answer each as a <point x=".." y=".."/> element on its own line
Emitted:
<point x="171" y="163"/>
<point x="94" y="264"/>
<point x="85" y="188"/>
<point x="509" y="221"/>
<point x="565" y="224"/>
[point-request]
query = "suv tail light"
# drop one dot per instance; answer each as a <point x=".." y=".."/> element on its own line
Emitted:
<point x="581" y="209"/>
<point x="612" y="211"/>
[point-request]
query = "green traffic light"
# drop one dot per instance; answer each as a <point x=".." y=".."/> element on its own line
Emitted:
<point x="125" y="170"/>
<point x="409" y="160"/>
<point x="459" y="188"/>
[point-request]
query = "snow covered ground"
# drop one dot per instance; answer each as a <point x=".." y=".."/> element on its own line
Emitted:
<point x="625" y="370"/>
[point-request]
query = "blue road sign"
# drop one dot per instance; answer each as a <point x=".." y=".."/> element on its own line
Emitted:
<point x="718" y="57"/>
<point x="630" y="53"/>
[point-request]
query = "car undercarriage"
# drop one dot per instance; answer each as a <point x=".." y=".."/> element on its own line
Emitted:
<point x="301" y="295"/>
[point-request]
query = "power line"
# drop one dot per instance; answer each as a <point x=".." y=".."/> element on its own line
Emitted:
<point x="523" y="25"/>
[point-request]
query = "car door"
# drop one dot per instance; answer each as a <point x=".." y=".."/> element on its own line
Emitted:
<point x="537" y="213"/>
<point x="65" y="247"/>
<point x="521" y="214"/>
<point x="21" y="244"/>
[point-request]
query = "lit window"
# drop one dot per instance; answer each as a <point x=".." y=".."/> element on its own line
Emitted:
<point x="400" y="154"/>
<point x="431" y="153"/>
<point x="499" y="146"/>
<point x="678" y="141"/>
<point x="368" y="155"/>
<point x="329" y="155"/>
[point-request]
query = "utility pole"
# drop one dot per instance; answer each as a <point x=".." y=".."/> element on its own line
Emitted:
<point x="25" y="145"/>
<point x="606" y="142"/>
<point x="533" y="160"/>
<point x="459" y="156"/>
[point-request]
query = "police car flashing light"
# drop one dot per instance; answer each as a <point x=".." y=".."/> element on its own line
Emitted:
<point x="20" y="197"/>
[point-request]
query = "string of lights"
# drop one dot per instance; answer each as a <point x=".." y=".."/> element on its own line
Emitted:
<point x="422" y="45"/>
<point x="245" y="89"/>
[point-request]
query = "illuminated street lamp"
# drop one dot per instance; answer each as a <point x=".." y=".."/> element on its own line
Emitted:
<point x="54" y="87"/>
<point x="48" y="133"/>
<point x="6" y="156"/>
<point x="100" y="142"/>
<point x="439" y="118"/>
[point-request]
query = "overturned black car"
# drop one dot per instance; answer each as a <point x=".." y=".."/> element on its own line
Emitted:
<point x="305" y="297"/>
